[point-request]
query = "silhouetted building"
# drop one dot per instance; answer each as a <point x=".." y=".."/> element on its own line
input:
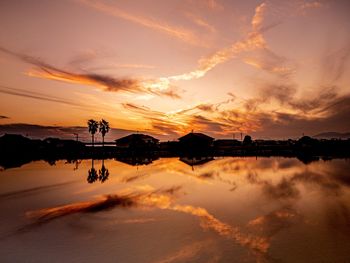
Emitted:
<point x="17" y="144"/>
<point x="226" y="143"/>
<point x="307" y="141"/>
<point x="137" y="141"/>
<point x="247" y="140"/>
<point x="58" y="144"/>
<point x="195" y="142"/>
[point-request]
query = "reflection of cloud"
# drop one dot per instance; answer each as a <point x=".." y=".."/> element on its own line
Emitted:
<point x="188" y="252"/>
<point x="162" y="199"/>
<point x="283" y="190"/>
<point x="208" y="221"/>
<point x="32" y="191"/>
<point x="134" y="177"/>
<point x="272" y="223"/>
<point x="106" y="202"/>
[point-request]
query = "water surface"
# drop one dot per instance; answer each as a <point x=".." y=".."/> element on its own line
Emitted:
<point x="171" y="210"/>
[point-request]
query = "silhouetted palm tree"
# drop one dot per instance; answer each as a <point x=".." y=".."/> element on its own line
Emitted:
<point x="93" y="126"/>
<point x="103" y="128"/>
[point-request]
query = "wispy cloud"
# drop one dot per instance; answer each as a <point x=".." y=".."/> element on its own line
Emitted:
<point x="2" y="117"/>
<point x="212" y="5"/>
<point x="266" y="60"/>
<point x="104" y="82"/>
<point x="304" y="6"/>
<point x="37" y="96"/>
<point x="199" y="21"/>
<point x="254" y="115"/>
<point x="254" y="40"/>
<point x="64" y="132"/>
<point x="258" y="17"/>
<point x="334" y="64"/>
<point x="160" y="26"/>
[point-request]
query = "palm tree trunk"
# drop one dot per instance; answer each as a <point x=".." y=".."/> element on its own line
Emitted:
<point x="103" y="141"/>
<point x="92" y="139"/>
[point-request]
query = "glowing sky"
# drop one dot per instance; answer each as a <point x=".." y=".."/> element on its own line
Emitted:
<point x="274" y="69"/>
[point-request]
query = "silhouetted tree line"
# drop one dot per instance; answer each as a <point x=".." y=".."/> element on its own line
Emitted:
<point x="16" y="150"/>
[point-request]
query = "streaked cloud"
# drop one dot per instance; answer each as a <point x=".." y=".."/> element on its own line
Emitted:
<point x="2" y="117"/>
<point x="38" y="96"/>
<point x="200" y="22"/>
<point x="254" y="40"/>
<point x="258" y="17"/>
<point x="103" y="82"/>
<point x="189" y="252"/>
<point x="212" y="5"/>
<point x="251" y="116"/>
<point x="180" y="33"/>
<point x="311" y="5"/>
<point x="65" y="132"/>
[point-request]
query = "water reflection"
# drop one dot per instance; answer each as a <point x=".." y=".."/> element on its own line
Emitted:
<point x="103" y="173"/>
<point x="196" y="160"/>
<point x="92" y="173"/>
<point x="101" y="176"/>
<point x="137" y="160"/>
<point x="227" y="209"/>
<point x="161" y="199"/>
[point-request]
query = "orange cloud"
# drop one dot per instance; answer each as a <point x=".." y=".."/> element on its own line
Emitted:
<point x="176" y="32"/>
<point x="258" y="17"/>
<point x="104" y="82"/>
<point x="254" y="40"/>
<point x="201" y="22"/>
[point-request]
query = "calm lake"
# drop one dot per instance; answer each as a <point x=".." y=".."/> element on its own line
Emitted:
<point x="171" y="210"/>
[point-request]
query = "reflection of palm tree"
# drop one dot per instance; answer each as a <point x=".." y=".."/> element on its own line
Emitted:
<point x="76" y="162"/>
<point x="92" y="173"/>
<point x="103" y="128"/>
<point x="93" y="126"/>
<point x="103" y="173"/>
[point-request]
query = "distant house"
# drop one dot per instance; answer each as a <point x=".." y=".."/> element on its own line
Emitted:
<point x="137" y="141"/>
<point x="14" y="143"/>
<point x="195" y="141"/>
<point x="226" y="143"/>
<point x="56" y="143"/>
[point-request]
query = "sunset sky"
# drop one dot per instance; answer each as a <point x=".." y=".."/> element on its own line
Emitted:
<point x="272" y="69"/>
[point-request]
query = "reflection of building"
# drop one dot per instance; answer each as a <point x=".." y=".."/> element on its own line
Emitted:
<point x="192" y="161"/>
<point x="137" y="141"/>
<point x="196" y="141"/>
<point x="137" y="160"/>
